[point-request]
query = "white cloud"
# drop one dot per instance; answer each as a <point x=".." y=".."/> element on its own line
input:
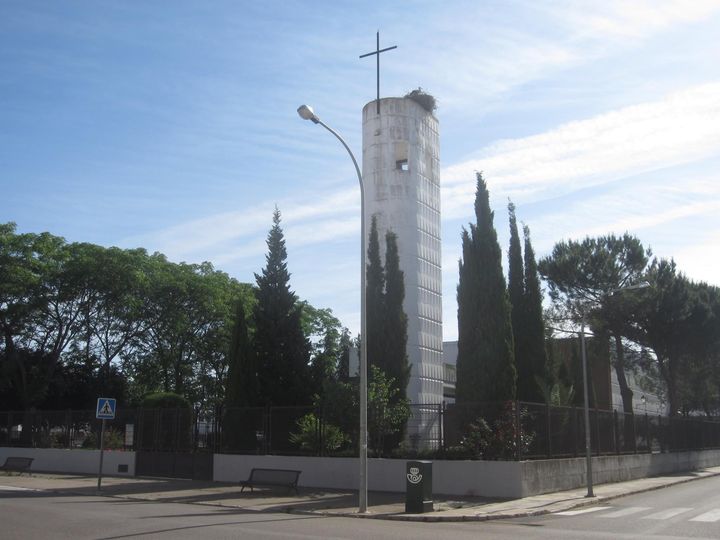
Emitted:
<point x="681" y="128"/>
<point x="701" y="261"/>
<point x="220" y="237"/>
<point x="639" y="18"/>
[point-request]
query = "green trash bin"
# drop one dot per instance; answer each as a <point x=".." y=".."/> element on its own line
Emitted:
<point x="418" y="487"/>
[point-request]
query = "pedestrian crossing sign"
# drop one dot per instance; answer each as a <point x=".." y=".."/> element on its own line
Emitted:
<point x="105" y="408"/>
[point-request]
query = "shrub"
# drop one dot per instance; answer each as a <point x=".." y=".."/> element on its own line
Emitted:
<point x="308" y="439"/>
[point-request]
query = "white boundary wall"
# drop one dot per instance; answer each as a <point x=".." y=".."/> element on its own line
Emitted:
<point x="505" y="479"/>
<point x="73" y="461"/>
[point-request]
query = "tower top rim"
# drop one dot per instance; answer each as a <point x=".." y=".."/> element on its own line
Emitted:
<point x="399" y="98"/>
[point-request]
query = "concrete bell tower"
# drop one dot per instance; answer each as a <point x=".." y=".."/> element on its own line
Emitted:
<point x="401" y="176"/>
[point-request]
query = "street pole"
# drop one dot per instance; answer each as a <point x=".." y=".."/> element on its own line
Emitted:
<point x="102" y="448"/>
<point x="588" y="449"/>
<point x="306" y="113"/>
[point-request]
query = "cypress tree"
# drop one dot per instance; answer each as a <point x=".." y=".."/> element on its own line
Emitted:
<point x="375" y="300"/>
<point x="516" y="293"/>
<point x="242" y="379"/>
<point x="485" y="364"/>
<point x="395" y="326"/>
<point x="533" y="341"/>
<point x="283" y="351"/>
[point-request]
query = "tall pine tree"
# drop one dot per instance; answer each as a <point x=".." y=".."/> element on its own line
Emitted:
<point x="282" y="350"/>
<point x="485" y="364"/>
<point x="533" y="340"/>
<point x="242" y="380"/>
<point x="395" y="326"/>
<point x="375" y="300"/>
<point x="516" y="294"/>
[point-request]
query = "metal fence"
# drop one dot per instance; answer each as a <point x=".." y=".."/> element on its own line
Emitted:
<point x="508" y="431"/>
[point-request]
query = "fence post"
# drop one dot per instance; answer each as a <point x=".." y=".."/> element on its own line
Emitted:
<point x="647" y="433"/>
<point x="518" y="434"/>
<point x="616" y="432"/>
<point x="68" y="425"/>
<point x="268" y="433"/>
<point x="575" y="432"/>
<point x="548" y="426"/>
<point x="441" y="422"/>
<point x="319" y="432"/>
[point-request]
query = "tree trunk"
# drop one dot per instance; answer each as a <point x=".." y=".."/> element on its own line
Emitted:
<point x="627" y="396"/>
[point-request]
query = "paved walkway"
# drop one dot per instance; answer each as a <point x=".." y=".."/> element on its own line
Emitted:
<point x="330" y="502"/>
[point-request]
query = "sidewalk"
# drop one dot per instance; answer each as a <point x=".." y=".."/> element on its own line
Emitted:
<point x="330" y="502"/>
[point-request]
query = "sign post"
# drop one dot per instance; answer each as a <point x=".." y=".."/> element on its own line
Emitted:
<point x="105" y="411"/>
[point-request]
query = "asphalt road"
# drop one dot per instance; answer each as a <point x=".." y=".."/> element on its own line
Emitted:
<point x="690" y="510"/>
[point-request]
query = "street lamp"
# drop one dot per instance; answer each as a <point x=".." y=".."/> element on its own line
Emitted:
<point x="588" y="449"/>
<point x="306" y="113"/>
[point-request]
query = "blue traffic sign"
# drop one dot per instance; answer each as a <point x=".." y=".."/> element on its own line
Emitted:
<point x="105" y="408"/>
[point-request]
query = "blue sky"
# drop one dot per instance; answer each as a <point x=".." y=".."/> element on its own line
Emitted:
<point x="172" y="125"/>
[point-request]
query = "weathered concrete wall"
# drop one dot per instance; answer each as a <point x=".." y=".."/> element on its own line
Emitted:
<point x="546" y="476"/>
<point x="73" y="461"/>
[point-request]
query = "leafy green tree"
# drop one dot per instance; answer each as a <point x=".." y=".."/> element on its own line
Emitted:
<point x="584" y="275"/>
<point x="485" y="364"/>
<point x="38" y="314"/>
<point x="676" y="320"/>
<point x="115" y="313"/>
<point x="325" y="332"/>
<point x="283" y="351"/>
<point x="190" y="309"/>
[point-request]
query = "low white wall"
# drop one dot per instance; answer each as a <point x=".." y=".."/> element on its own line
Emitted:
<point x="479" y="478"/>
<point x="503" y="479"/>
<point x="73" y="461"/>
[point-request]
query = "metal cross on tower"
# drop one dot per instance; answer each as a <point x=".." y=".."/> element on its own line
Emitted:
<point x="377" y="52"/>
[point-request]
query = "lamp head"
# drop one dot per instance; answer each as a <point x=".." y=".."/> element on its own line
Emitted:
<point x="306" y="113"/>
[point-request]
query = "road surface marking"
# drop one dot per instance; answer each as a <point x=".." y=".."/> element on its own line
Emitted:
<point x="14" y="488"/>
<point x="708" y="517"/>
<point x="667" y="514"/>
<point x="582" y="511"/>
<point x="626" y="511"/>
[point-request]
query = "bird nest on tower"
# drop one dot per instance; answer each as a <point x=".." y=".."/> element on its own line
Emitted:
<point x="425" y="100"/>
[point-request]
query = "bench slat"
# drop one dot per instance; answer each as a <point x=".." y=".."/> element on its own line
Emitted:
<point x="271" y="477"/>
<point x="18" y="464"/>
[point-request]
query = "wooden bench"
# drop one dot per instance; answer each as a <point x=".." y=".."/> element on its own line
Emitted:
<point x="271" y="477"/>
<point x="19" y="464"/>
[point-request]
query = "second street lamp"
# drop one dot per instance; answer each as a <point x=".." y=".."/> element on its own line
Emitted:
<point x="586" y="405"/>
<point x="306" y="113"/>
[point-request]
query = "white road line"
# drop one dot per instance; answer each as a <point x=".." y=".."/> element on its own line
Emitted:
<point x="708" y="517"/>
<point x="582" y="511"/>
<point x="667" y="514"/>
<point x="14" y="488"/>
<point x="626" y="511"/>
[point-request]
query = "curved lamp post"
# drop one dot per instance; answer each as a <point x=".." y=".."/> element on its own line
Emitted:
<point x="586" y="406"/>
<point x="306" y="113"/>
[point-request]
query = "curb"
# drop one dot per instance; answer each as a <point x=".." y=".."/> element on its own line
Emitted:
<point x="435" y="518"/>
